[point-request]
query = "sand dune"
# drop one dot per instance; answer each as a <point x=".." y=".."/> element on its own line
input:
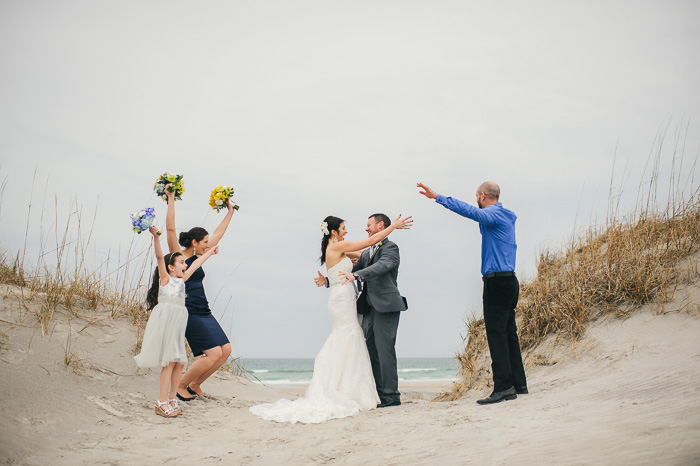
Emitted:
<point x="628" y="393"/>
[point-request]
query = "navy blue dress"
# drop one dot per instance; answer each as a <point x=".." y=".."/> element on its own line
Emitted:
<point x="203" y="331"/>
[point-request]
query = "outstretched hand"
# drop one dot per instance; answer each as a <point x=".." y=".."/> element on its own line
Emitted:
<point x="320" y="280"/>
<point x="346" y="277"/>
<point x="214" y="250"/>
<point x="154" y="231"/>
<point x="427" y="192"/>
<point x="402" y="224"/>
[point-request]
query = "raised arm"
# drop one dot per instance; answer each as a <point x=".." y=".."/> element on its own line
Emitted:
<point x="162" y="269"/>
<point x="351" y="246"/>
<point x="483" y="216"/>
<point x="462" y="208"/>
<point x="354" y="255"/>
<point x="171" y="233"/>
<point x="200" y="260"/>
<point x="219" y="231"/>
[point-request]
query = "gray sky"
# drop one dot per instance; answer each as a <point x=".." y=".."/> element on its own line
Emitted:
<point x="315" y="108"/>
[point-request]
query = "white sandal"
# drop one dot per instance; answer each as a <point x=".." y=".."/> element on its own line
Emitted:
<point x="167" y="412"/>
<point x="175" y="405"/>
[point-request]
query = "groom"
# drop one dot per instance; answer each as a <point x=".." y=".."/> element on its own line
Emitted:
<point x="380" y="304"/>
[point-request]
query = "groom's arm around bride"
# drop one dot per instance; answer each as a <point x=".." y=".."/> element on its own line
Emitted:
<point x="378" y="272"/>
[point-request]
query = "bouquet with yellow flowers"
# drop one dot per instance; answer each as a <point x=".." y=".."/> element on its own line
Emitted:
<point x="219" y="198"/>
<point x="178" y="186"/>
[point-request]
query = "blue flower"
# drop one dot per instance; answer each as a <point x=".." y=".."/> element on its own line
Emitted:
<point x="143" y="219"/>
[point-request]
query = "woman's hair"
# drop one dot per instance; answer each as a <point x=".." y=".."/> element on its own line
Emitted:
<point x="333" y="224"/>
<point x="152" y="296"/>
<point x="186" y="237"/>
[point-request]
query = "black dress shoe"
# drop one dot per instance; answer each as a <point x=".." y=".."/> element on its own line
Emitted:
<point x="521" y="390"/>
<point x="183" y="398"/>
<point x="497" y="397"/>
<point x="386" y="404"/>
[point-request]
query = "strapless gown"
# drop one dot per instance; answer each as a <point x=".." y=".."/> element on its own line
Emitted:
<point x="342" y="383"/>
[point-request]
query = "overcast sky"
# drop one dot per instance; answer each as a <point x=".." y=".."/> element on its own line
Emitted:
<point x="316" y="108"/>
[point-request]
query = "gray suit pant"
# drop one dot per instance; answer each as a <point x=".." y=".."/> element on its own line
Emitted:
<point x="380" y="330"/>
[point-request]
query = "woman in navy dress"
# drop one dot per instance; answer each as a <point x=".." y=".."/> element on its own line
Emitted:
<point x="203" y="333"/>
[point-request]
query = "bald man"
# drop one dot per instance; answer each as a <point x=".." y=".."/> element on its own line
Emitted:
<point x="501" y="287"/>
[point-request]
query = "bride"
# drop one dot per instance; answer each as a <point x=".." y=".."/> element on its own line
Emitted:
<point x="342" y="382"/>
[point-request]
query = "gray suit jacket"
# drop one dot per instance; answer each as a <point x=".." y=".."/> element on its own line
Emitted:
<point x="379" y="275"/>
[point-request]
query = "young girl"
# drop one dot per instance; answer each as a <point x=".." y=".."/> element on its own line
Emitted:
<point x="164" y="339"/>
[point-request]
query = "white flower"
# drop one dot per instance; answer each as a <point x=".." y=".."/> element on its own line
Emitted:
<point x="324" y="228"/>
<point x="219" y="202"/>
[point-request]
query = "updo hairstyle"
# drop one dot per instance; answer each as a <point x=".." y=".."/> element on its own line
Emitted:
<point x="195" y="234"/>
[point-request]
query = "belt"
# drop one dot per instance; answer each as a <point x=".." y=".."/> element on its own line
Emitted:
<point x="499" y="274"/>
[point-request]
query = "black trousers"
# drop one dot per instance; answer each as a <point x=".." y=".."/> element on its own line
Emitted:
<point x="500" y="299"/>
<point x="380" y="330"/>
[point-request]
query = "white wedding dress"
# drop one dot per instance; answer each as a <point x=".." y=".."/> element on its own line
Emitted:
<point x="342" y="384"/>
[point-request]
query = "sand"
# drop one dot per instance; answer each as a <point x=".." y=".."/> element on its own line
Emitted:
<point x="628" y="393"/>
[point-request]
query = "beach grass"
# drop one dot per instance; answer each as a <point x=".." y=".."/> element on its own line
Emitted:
<point x="53" y="274"/>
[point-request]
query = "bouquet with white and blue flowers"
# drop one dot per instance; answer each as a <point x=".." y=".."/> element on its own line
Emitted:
<point x="143" y="219"/>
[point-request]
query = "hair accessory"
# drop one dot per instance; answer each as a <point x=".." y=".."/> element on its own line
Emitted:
<point x="324" y="228"/>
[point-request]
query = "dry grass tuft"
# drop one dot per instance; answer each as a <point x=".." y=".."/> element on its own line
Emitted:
<point x="10" y="271"/>
<point x="235" y="366"/>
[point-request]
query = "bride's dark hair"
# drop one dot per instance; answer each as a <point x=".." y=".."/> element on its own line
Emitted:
<point x="152" y="296"/>
<point x="333" y="224"/>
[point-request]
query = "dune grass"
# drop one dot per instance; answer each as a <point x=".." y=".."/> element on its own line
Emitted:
<point x="608" y="270"/>
<point x="60" y="278"/>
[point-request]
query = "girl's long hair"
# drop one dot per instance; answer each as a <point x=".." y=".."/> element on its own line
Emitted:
<point x="333" y="224"/>
<point x="152" y="296"/>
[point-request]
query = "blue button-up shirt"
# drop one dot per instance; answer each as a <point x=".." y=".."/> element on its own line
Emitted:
<point x="497" y="226"/>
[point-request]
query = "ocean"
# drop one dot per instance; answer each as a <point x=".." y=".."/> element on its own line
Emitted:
<point x="298" y="371"/>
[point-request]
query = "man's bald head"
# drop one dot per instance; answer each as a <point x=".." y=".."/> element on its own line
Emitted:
<point x="490" y="189"/>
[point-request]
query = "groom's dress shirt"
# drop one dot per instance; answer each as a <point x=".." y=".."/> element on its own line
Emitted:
<point x="497" y="226"/>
